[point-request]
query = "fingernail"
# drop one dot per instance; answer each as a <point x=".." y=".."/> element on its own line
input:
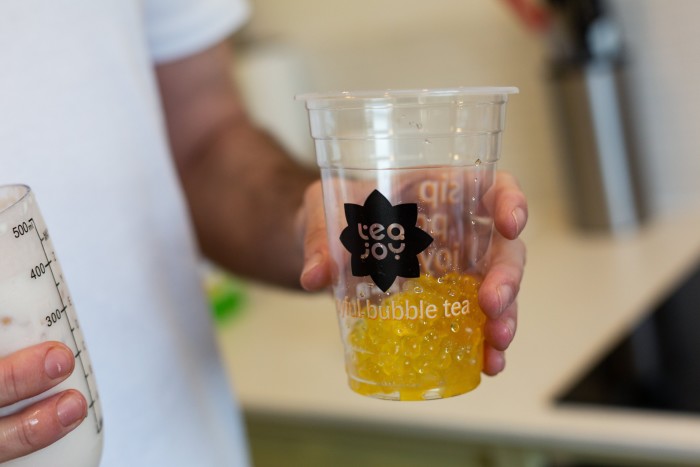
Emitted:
<point x="510" y="325"/>
<point x="57" y="363"/>
<point x="505" y="297"/>
<point x="519" y="218"/>
<point x="312" y="263"/>
<point x="70" y="409"/>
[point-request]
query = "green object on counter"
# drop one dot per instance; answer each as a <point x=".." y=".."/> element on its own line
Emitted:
<point x="226" y="294"/>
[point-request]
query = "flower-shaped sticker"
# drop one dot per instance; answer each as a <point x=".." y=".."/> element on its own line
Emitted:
<point x="383" y="240"/>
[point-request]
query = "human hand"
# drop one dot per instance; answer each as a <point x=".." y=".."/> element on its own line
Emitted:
<point x="499" y="289"/>
<point x="25" y="374"/>
<point x="501" y="283"/>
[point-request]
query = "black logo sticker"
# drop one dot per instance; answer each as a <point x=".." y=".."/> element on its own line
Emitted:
<point x="383" y="240"/>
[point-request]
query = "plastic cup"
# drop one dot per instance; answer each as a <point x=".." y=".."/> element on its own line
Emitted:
<point x="406" y="177"/>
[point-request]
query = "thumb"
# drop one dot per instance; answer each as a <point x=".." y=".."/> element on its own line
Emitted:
<point x="316" y="272"/>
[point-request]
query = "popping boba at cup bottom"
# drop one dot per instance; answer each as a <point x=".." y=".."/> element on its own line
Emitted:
<point x="434" y="351"/>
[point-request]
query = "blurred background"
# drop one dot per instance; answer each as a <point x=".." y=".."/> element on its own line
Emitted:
<point x="604" y="140"/>
<point x="311" y="45"/>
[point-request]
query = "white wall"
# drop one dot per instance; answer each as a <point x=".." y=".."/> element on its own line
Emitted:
<point x="378" y="44"/>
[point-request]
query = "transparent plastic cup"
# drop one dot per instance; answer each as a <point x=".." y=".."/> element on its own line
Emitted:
<point x="406" y="180"/>
<point x="35" y="306"/>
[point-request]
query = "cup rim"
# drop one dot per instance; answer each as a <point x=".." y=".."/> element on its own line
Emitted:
<point x="404" y="93"/>
<point x="24" y="192"/>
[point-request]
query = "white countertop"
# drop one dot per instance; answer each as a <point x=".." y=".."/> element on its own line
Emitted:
<point x="579" y="294"/>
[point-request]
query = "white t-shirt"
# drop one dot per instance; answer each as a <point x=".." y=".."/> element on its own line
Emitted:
<point x="80" y="122"/>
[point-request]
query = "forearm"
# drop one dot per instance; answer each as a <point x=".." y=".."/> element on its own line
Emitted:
<point x="242" y="188"/>
<point x="244" y="193"/>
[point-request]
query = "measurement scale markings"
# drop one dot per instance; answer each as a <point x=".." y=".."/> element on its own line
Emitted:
<point x="98" y="419"/>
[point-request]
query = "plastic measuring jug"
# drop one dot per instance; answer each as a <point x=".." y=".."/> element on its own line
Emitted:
<point x="35" y="306"/>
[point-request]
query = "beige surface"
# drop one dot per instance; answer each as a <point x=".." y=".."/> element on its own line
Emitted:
<point x="579" y="294"/>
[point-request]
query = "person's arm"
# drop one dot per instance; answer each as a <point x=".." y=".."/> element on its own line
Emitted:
<point x="252" y="206"/>
<point x="25" y="374"/>
<point x="243" y="189"/>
